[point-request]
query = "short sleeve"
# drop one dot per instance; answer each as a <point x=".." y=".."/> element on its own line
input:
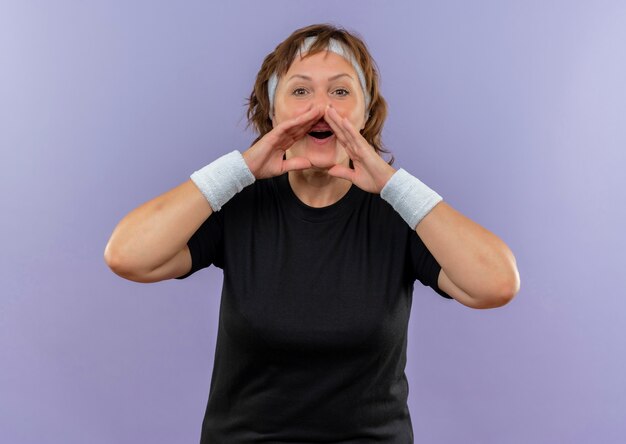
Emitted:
<point x="205" y="245"/>
<point x="424" y="266"/>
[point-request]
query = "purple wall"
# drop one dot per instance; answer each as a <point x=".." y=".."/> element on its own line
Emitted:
<point x="514" y="111"/>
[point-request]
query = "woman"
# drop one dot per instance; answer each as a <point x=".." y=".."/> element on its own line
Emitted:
<point x="320" y="241"/>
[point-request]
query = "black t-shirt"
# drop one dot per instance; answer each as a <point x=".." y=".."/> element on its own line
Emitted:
<point x="313" y="320"/>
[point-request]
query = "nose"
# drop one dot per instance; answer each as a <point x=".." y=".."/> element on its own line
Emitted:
<point x="321" y="100"/>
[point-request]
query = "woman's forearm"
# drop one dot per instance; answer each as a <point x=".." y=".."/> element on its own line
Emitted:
<point x="474" y="259"/>
<point x="156" y="231"/>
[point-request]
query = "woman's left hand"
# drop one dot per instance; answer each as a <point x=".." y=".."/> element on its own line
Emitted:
<point x="370" y="172"/>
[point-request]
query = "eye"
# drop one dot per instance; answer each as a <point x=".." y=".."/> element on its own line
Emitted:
<point x="298" y="91"/>
<point x="342" y="92"/>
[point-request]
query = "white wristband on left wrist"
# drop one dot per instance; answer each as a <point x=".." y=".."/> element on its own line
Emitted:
<point x="410" y="197"/>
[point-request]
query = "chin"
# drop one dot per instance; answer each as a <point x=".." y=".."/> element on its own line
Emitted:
<point x="325" y="156"/>
<point x="322" y="162"/>
<point x="322" y="156"/>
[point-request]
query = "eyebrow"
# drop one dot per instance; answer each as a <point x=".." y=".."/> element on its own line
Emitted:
<point x="330" y="78"/>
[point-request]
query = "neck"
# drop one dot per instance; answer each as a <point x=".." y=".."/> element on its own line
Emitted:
<point x="316" y="188"/>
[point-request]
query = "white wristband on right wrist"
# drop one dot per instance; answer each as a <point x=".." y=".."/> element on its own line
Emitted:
<point x="220" y="180"/>
<point x="410" y="197"/>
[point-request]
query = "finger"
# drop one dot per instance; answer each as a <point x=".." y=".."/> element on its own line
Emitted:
<point x="359" y="145"/>
<point x="351" y="133"/>
<point x="297" y="127"/>
<point x="333" y="119"/>
<point x="296" y="163"/>
<point x="342" y="172"/>
<point x="307" y="123"/>
<point x="330" y="118"/>
<point x="301" y="120"/>
<point x="288" y="132"/>
<point x="335" y="123"/>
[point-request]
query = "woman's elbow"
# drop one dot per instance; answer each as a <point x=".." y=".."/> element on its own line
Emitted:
<point x="501" y="299"/>
<point x="502" y="295"/>
<point x="115" y="261"/>
<point x="120" y="265"/>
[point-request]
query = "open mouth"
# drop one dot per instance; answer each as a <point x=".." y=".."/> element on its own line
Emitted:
<point x="320" y="134"/>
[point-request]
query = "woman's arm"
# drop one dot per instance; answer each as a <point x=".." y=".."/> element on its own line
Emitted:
<point x="477" y="268"/>
<point x="150" y="243"/>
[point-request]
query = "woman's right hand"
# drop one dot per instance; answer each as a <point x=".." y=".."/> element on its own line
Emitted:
<point x="265" y="158"/>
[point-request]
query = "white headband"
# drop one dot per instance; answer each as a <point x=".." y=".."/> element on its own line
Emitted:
<point x="333" y="46"/>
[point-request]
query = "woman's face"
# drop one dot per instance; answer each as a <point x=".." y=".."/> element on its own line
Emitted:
<point x="320" y="79"/>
